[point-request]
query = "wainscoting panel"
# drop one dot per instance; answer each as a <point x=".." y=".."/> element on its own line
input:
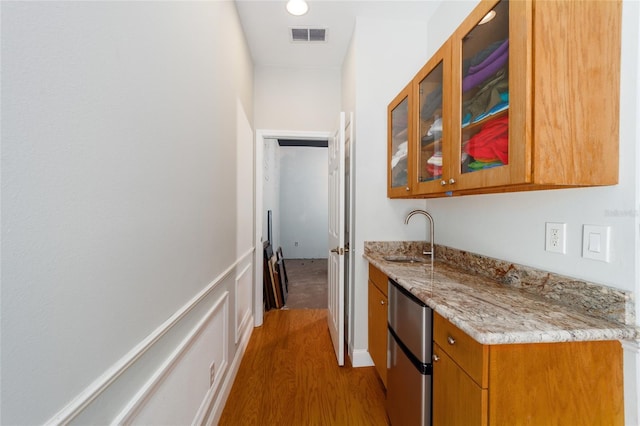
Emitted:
<point x="244" y="286"/>
<point x="198" y="364"/>
<point x="182" y="372"/>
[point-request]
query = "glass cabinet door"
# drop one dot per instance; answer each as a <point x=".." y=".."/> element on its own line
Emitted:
<point x="430" y="126"/>
<point x="433" y="118"/>
<point x="399" y="145"/>
<point x="485" y="92"/>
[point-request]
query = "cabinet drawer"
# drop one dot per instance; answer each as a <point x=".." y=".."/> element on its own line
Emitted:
<point x="470" y="355"/>
<point x="379" y="279"/>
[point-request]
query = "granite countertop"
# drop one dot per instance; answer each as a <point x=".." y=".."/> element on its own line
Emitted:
<point x="493" y="312"/>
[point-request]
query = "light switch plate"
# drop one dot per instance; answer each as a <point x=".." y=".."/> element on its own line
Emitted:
<point x="596" y="242"/>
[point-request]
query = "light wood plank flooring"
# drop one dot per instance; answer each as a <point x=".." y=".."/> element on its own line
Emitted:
<point x="289" y="376"/>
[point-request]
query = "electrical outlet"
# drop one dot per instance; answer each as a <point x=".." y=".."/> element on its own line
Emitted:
<point x="296" y="244"/>
<point x="212" y="373"/>
<point x="556" y="237"/>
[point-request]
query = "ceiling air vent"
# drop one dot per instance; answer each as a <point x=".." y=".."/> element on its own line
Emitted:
<point x="306" y="35"/>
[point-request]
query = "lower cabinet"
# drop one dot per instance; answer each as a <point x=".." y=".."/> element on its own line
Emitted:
<point x="457" y="399"/>
<point x="378" y="321"/>
<point x="567" y="383"/>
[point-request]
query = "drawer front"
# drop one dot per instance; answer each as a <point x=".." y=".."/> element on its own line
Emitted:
<point x="379" y="279"/>
<point x="470" y="355"/>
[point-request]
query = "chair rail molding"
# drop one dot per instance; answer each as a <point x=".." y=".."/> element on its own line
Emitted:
<point x="127" y="415"/>
<point x="99" y="385"/>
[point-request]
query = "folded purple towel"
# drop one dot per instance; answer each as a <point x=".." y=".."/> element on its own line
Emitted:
<point x="472" y="80"/>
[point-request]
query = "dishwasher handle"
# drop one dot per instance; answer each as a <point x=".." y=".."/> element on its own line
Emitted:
<point x="423" y="367"/>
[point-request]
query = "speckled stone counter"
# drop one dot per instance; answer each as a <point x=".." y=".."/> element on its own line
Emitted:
<point x="498" y="302"/>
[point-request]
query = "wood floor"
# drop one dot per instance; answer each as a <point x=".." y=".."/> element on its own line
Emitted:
<point x="289" y="376"/>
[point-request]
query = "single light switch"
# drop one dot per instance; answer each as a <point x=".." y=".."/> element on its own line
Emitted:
<point x="595" y="242"/>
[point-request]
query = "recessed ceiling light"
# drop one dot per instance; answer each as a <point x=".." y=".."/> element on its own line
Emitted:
<point x="297" y="7"/>
<point x="489" y="16"/>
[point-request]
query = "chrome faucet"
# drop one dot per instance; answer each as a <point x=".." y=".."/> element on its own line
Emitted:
<point x="428" y="216"/>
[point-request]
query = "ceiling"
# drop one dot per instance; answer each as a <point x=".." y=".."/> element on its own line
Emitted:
<point x="267" y="25"/>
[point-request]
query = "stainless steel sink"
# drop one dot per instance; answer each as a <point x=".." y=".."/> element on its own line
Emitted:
<point x="406" y="259"/>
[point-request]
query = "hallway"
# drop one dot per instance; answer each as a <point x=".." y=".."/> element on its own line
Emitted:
<point x="307" y="283"/>
<point x="289" y="376"/>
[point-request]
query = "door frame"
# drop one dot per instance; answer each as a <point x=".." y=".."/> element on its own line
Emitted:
<point x="261" y="135"/>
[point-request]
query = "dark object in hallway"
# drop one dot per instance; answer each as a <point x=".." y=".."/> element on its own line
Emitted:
<point x="267" y="284"/>
<point x="307" y="284"/>
<point x="289" y="376"/>
<point x="280" y="258"/>
<point x="274" y="289"/>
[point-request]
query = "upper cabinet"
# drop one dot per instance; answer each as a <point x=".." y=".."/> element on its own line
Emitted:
<point x="524" y="95"/>
<point x="433" y="122"/>
<point x="399" y="149"/>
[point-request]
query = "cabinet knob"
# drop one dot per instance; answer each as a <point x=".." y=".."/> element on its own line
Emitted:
<point x="382" y="302"/>
<point x="407" y="188"/>
<point x="451" y="340"/>
<point x="443" y="182"/>
<point x="435" y="358"/>
<point x="452" y="181"/>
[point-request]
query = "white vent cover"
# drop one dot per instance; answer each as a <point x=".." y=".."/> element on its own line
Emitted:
<point x="306" y="35"/>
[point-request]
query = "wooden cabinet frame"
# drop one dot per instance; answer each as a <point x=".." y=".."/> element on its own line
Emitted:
<point x="564" y="96"/>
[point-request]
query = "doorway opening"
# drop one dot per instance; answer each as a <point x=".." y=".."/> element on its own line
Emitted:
<point x="339" y="284"/>
<point x="300" y="203"/>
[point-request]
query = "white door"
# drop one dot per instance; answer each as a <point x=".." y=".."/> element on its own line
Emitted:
<point x="336" y="240"/>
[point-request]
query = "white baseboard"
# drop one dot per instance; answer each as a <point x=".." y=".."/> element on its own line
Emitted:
<point x="218" y="404"/>
<point x="631" y="345"/>
<point x="361" y="358"/>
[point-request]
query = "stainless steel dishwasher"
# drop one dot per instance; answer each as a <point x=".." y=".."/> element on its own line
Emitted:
<point x="409" y="360"/>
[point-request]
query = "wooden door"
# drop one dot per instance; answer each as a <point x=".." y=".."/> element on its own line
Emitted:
<point x="457" y="399"/>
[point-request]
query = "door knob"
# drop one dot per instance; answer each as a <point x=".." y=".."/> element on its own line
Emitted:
<point x="335" y="250"/>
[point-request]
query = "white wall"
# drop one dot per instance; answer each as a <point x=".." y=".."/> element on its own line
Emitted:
<point x="125" y="127"/>
<point x="370" y="81"/>
<point x="304" y="208"/>
<point x="297" y="99"/>
<point x="271" y="190"/>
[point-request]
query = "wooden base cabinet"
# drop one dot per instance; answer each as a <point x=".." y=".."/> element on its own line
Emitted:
<point x="567" y="383"/>
<point x="457" y="399"/>
<point x="378" y="309"/>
